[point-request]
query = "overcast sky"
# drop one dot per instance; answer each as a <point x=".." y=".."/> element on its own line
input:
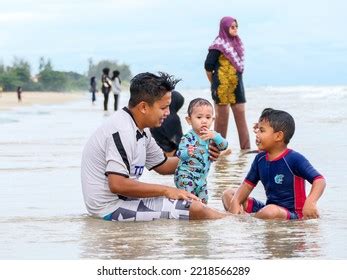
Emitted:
<point x="297" y="42"/>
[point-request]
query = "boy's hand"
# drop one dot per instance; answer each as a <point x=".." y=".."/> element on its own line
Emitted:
<point x="310" y="210"/>
<point x="207" y="134"/>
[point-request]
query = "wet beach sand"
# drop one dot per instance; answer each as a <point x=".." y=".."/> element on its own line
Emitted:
<point x="8" y="100"/>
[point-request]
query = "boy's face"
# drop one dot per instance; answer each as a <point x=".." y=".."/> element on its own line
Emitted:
<point x="266" y="137"/>
<point x="158" y="112"/>
<point x="201" y="118"/>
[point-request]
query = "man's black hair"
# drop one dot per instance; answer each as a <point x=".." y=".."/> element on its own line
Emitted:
<point x="149" y="87"/>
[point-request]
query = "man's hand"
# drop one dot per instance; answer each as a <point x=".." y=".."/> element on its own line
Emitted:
<point x="213" y="151"/>
<point x="174" y="193"/>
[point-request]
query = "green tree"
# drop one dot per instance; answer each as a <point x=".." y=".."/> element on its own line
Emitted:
<point x="52" y="80"/>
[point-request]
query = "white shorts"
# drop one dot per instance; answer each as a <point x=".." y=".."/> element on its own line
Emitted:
<point x="149" y="209"/>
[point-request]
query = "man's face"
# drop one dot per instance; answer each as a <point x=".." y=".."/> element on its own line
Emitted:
<point x="159" y="111"/>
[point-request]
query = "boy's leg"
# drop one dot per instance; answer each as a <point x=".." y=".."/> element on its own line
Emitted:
<point x="227" y="196"/>
<point x="272" y="211"/>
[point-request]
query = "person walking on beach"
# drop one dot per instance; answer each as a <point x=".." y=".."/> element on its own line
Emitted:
<point x="116" y="154"/>
<point x="282" y="172"/>
<point x="92" y="88"/>
<point x="106" y="85"/>
<point x="224" y="66"/>
<point x="116" y="88"/>
<point x="19" y="94"/>
<point x="169" y="134"/>
<point x="194" y="165"/>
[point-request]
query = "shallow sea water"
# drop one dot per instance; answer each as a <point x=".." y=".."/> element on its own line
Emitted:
<point x="42" y="214"/>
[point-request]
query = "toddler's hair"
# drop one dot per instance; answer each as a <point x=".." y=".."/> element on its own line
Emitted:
<point x="197" y="102"/>
<point x="279" y="121"/>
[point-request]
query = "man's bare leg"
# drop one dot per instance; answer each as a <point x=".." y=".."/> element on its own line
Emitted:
<point x="199" y="211"/>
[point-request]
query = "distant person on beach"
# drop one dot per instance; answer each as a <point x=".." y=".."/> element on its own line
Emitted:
<point x="194" y="164"/>
<point x="92" y="88"/>
<point x="106" y="85"/>
<point x="224" y="66"/>
<point x="116" y="88"/>
<point x="19" y="94"/>
<point x="282" y="172"/>
<point x="169" y="134"/>
<point x="117" y="153"/>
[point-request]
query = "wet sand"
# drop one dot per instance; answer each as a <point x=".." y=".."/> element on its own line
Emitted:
<point x="8" y="100"/>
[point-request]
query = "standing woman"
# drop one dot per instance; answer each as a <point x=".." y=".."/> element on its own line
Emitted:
<point x="106" y="85"/>
<point x="116" y="88"/>
<point x="93" y="89"/>
<point x="224" y="67"/>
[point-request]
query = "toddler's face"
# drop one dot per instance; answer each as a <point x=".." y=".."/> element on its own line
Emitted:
<point x="201" y="118"/>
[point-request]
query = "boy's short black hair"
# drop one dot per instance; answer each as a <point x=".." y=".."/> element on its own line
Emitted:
<point x="279" y="121"/>
<point x="149" y="87"/>
<point x="197" y="102"/>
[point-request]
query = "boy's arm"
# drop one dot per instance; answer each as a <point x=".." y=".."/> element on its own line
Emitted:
<point x="310" y="210"/>
<point x="240" y="198"/>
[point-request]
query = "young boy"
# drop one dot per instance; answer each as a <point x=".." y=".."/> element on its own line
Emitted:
<point x="194" y="164"/>
<point x="282" y="172"/>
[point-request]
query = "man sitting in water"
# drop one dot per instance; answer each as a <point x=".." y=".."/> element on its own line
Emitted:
<point x="116" y="154"/>
<point x="282" y="172"/>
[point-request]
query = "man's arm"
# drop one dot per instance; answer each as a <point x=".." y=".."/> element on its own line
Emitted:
<point x="168" y="167"/>
<point x="132" y="188"/>
<point x="240" y="198"/>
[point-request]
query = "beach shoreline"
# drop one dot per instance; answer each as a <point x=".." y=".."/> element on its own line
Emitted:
<point x="8" y="100"/>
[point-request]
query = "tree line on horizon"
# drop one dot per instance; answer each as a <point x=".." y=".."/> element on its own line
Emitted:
<point x="19" y="75"/>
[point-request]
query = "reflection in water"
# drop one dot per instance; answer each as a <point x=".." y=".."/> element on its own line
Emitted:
<point x="292" y="239"/>
<point x="140" y="240"/>
<point x="228" y="171"/>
